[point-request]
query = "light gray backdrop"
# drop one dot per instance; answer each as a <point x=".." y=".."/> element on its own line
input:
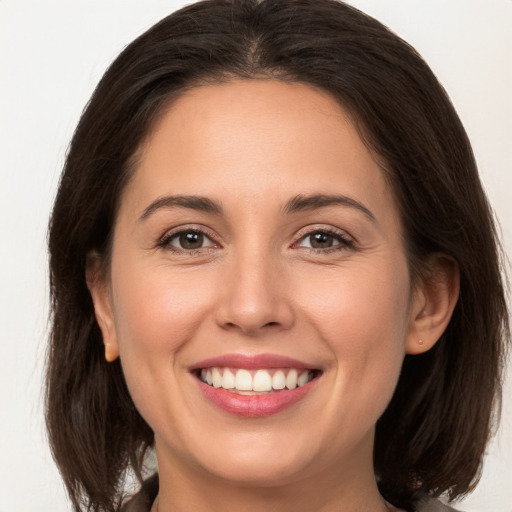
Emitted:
<point x="52" y="53"/>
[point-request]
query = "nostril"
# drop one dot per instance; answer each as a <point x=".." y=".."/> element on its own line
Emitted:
<point x="248" y="326"/>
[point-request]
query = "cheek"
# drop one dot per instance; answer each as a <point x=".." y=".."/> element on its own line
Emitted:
<point x="157" y="311"/>
<point x="362" y="318"/>
<point x="359" y="304"/>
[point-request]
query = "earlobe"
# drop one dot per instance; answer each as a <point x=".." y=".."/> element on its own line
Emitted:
<point x="98" y="288"/>
<point x="433" y="303"/>
<point x="111" y="352"/>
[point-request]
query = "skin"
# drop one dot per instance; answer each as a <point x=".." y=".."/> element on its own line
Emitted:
<point x="257" y="286"/>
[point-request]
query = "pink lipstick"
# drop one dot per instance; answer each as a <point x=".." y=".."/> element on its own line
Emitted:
<point x="255" y="386"/>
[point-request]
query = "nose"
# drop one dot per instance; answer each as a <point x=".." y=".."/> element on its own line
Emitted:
<point x="255" y="296"/>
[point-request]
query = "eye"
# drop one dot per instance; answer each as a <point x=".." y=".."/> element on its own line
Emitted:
<point x="324" y="240"/>
<point x="187" y="240"/>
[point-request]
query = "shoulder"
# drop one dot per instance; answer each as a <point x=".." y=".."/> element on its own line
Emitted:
<point x="143" y="500"/>
<point x="433" y="505"/>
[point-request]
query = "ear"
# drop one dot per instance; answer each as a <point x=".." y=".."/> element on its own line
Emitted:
<point x="100" y="293"/>
<point x="433" y="302"/>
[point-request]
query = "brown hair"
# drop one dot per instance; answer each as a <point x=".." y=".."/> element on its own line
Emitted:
<point x="433" y="434"/>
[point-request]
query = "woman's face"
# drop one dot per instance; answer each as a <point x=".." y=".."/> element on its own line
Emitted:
<point x="257" y="242"/>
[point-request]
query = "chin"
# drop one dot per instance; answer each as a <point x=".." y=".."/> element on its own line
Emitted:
<point x="266" y="473"/>
<point x="261" y="464"/>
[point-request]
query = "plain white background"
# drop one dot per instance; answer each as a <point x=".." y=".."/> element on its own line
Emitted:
<point x="52" y="53"/>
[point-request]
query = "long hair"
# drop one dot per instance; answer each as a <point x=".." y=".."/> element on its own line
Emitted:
<point x="433" y="434"/>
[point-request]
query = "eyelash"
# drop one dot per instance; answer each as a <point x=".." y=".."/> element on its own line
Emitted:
<point x="344" y="242"/>
<point x="166" y="240"/>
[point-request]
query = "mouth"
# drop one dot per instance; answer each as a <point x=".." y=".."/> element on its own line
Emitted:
<point x="244" y="381"/>
<point x="255" y="386"/>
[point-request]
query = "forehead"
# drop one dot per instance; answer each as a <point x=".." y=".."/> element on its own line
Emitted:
<point x="255" y="138"/>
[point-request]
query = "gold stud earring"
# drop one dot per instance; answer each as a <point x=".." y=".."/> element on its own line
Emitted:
<point x="420" y="342"/>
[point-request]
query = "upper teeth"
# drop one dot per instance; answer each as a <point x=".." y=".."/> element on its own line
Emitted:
<point x="255" y="380"/>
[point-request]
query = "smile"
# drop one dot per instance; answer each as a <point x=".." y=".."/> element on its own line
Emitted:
<point x="244" y="381"/>
<point x="255" y="386"/>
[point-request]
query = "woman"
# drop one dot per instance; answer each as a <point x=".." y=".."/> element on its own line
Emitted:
<point x="272" y="260"/>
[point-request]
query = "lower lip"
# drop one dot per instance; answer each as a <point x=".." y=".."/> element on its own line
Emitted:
<point x="255" y="406"/>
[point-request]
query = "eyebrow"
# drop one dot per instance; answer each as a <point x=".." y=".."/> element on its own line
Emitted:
<point x="198" y="203"/>
<point x="297" y="204"/>
<point x="300" y="203"/>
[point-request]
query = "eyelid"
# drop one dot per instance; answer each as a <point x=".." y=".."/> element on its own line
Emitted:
<point x="346" y="240"/>
<point x="164" y="240"/>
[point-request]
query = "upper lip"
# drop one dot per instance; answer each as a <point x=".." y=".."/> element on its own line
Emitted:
<point x="252" y="362"/>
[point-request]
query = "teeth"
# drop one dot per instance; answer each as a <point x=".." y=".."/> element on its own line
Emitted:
<point x="228" y="379"/>
<point x="243" y="381"/>
<point x="302" y="379"/>
<point x="262" y="381"/>
<point x="217" y="378"/>
<point x="279" y="380"/>
<point x="291" y="379"/>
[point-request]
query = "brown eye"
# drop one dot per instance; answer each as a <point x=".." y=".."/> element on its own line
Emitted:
<point x="191" y="240"/>
<point x="321" y="240"/>
<point x="324" y="240"/>
<point x="187" y="240"/>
